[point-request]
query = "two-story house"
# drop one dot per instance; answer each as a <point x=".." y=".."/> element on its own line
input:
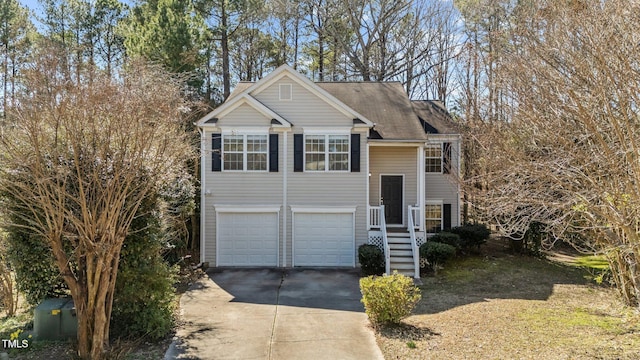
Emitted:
<point x="299" y="174"/>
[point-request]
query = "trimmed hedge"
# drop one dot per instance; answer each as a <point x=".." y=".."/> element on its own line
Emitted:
<point x="436" y="253"/>
<point x="388" y="299"/>
<point x="471" y="235"/>
<point x="371" y="260"/>
<point x="447" y="238"/>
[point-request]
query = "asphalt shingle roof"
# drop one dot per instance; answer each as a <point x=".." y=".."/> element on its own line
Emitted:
<point x="387" y="105"/>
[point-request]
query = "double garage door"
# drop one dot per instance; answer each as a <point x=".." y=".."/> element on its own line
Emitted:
<point x="252" y="239"/>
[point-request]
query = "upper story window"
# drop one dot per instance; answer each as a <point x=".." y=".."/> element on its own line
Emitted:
<point x="433" y="159"/>
<point x="437" y="158"/>
<point x="326" y="152"/>
<point x="245" y="152"/>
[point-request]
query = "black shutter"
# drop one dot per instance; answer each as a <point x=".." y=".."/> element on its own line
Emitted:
<point x="446" y="158"/>
<point x="446" y="216"/>
<point x="298" y="152"/>
<point x="273" y="152"/>
<point x="216" y="153"/>
<point x="355" y="152"/>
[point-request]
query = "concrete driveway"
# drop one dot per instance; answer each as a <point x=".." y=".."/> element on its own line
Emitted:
<point x="274" y="314"/>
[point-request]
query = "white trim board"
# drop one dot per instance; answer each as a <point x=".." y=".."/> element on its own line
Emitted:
<point x="322" y="209"/>
<point x="246" y="209"/>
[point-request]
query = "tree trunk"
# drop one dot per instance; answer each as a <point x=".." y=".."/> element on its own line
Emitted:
<point x="226" y="76"/>
<point x="320" y="57"/>
<point x="92" y="292"/>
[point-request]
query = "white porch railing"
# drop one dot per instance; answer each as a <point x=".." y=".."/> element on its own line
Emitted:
<point x="416" y="217"/>
<point x="414" y="247"/>
<point x="385" y="242"/>
<point x="374" y="217"/>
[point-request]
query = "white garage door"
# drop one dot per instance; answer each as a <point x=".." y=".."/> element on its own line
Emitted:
<point x="323" y="239"/>
<point x="247" y="239"/>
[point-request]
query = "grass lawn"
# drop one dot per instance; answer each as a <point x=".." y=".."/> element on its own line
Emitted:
<point x="497" y="305"/>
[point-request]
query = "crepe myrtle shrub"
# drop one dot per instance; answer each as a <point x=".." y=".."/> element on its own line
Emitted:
<point x="446" y="237"/>
<point x="388" y="299"/>
<point x="143" y="299"/>
<point x="436" y="253"/>
<point x="371" y="260"/>
<point x="471" y="235"/>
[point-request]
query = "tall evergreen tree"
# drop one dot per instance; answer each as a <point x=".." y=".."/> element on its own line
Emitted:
<point x="15" y="42"/>
<point x="168" y="32"/>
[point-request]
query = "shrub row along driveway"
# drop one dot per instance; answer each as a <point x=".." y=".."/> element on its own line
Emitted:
<point x="275" y="314"/>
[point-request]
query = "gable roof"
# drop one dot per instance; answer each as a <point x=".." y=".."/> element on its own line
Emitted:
<point x="384" y="106"/>
<point x="239" y="100"/>
<point x="286" y="70"/>
<point x="434" y="117"/>
<point x="384" y="103"/>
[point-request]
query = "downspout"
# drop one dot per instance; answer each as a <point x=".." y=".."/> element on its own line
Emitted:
<point x="202" y="197"/>
<point x="423" y="190"/>
<point x="368" y="175"/>
<point x="284" y="198"/>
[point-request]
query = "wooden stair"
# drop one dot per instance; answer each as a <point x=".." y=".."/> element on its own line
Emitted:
<point x="401" y="254"/>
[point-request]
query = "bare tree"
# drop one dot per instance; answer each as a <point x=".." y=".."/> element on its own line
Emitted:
<point x="77" y="164"/>
<point x="8" y="288"/>
<point x="569" y="158"/>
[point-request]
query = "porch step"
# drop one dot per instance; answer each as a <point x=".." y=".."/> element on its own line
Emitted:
<point x="400" y="251"/>
<point x="401" y="260"/>
<point x="397" y="230"/>
<point x="395" y="252"/>
<point x="402" y="266"/>
<point x="399" y="239"/>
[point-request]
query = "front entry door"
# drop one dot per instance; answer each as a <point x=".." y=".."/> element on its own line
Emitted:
<point x="391" y="198"/>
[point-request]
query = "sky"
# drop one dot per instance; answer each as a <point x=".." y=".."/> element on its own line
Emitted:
<point x="31" y="4"/>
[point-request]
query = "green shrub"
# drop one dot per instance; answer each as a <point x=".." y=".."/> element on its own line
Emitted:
<point x="388" y="299"/>
<point x="143" y="299"/>
<point x="436" y="253"/>
<point x="144" y="296"/>
<point x="472" y="235"/>
<point x="371" y="260"/>
<point x="37" y="274"/>
<point x="533" y="238"/>
<point x="447" y="238"/>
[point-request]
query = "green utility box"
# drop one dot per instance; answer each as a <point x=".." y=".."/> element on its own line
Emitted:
<point x="55" y="319"/>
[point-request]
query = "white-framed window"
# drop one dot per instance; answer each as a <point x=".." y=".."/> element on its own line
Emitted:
<point x="326" y="153"/>
<point x="433" y="217"/>
<point x="433" y="159"/>
<point x="245" y="152"/>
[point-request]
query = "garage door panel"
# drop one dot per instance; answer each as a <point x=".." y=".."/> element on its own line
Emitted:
<point x="323" y="239"/>
<point x="247" y="239"/>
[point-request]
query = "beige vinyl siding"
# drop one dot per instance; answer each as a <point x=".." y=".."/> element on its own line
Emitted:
<point x="244" y="115"/>
<point x="326" y="189"/>
<point x="444" y="186"/>
<point x="305" y="109"/>
<point x="237" y="188"/>
<point x="387" y="160"/>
